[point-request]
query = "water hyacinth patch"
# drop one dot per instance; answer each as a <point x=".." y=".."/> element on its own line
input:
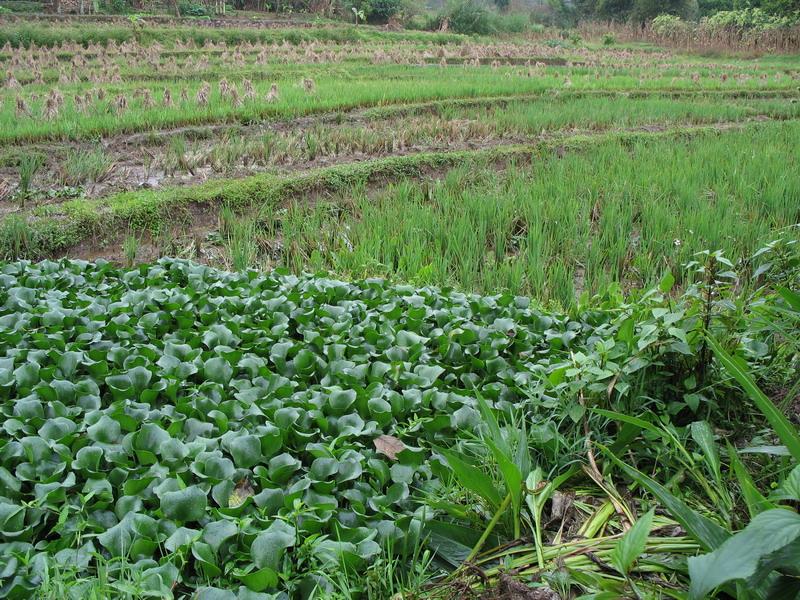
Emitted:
<point x="257" y="430"/>
<point x="230" y="420"/>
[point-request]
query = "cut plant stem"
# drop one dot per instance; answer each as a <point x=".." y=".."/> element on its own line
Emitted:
<point x="487" y="532"/>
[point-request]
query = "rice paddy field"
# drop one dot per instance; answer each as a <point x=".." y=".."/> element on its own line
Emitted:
<point x="333" y="312"/>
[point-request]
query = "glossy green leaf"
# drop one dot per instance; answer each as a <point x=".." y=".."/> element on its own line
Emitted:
<point x="741" y="556"/>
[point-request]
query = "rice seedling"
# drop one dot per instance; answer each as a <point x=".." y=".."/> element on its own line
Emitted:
<point x="29" y="165"/>
<point x="83" y="166"/>
<point x="130" y="249"/>
<point x="15" y="237"/>
<point x="312" y="145"/>
<point x="241" y="244"/>
<point x="177" y="157"/>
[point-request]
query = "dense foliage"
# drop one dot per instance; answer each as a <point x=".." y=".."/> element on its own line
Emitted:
<point x="260" y="431"/>
<point x="784" y="12"/>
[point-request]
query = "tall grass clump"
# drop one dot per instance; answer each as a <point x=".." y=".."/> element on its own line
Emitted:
<point x="82" y="166"/>
<point x="15" y="237"/>
<point x="240" y="237"/>
<point x="130" y="249"/>
<point x="29" y="165"/>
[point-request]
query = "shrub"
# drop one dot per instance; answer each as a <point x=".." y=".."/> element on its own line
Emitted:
<point x="424" y="22"/>
<point x="193" y="9"/>
<point x="609" y="39"/>
<point x="509" y="23"/>
<point x="750" y="18"/>
<point x="469" y="16"/>
<point x="378" y="11"/>
<point x="669" y="25"/>
<point x="116" y="7"/>
<point x="383" y="10"/>
<point x="20" y="6"/>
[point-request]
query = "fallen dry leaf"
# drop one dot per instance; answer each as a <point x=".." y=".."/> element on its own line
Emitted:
<point x="5" y="189"/>
<point x="389" y="445"/>
<point x="242" y="491"/>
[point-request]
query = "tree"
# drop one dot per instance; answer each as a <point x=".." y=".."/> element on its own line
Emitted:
<point x="781" y="8"/>
<point x="614" y="10"/>
<point x="646" y="10"/>
<point x="709" y="7"/>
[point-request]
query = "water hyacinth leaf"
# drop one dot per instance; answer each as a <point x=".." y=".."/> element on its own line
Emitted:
<point x="270" y="500"/>
<point x="282" y="467"/>
<point x="246" y="451"/>
<point x="270" y="545"/>
<point x="26" y="375"/>
<point x="105" y="430"/>
<point x="57" y="429"/>
<point x="184" y="505"/>
<point x="117" y="539"/>
<point x="160" y="580"/>
<point x="257" y="580"/>
<point x="428" y="374"/>
<point x="217" y="369"/>
<point x="214" y="593"/>
<point x="402" y="473"/>
<point x="349" y="469"/>
<point x="341" y="400"/>
<point x="204" y="555"/>
<point x="180" y="538"/>
<point x="88" y="458"/>
<point x="217" y="532"/>
<point x="323" y="468"/>
<point x="12" y="520"/>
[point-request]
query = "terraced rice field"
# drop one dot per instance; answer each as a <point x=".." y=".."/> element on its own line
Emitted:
<point x="154" y="140"/>
<point x="551" y="248"/>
